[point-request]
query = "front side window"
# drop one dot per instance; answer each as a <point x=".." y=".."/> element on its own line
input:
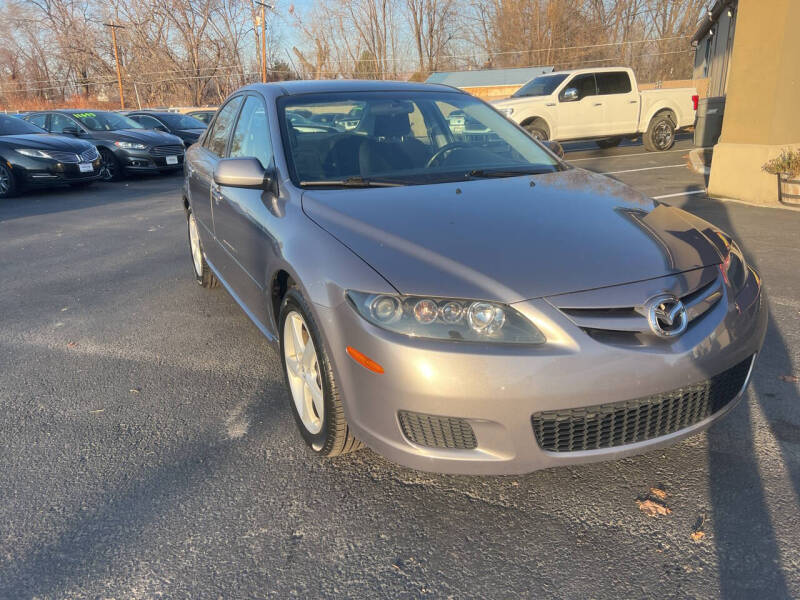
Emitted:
<point x="404" y="138"/>
<point x="251" y="136"/>
<point x="59" y="122"/>
<point x="104" y="121"/>
<point x="585" y="84"/>
<point x="147" y="121"/>
<point x="179" y="121"/>
<point x="218" y="139"/>
<point x="616" y="82"/>
<point x="541" y="86"/>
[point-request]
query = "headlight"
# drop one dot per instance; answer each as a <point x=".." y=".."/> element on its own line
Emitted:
<point x="36" y="153"/>
<point x="130" y="146"/>
<point x="734" y="267"/>
<point x="507" y="111"/>
<point x="446" y="318"/>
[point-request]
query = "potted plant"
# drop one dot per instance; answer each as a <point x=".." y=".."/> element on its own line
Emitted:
<point x="787" y="168"/>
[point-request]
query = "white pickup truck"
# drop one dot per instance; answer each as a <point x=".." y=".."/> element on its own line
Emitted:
<point x="603" y="104"/>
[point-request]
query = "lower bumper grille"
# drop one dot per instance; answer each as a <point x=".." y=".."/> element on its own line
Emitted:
<point x="620" y="423"/>
<point x="166" y="150"/>
<point x="437" y="432"/>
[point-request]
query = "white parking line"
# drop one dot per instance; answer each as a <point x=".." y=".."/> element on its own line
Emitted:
<point x="645" y="169"/>
<point x="607" y="156"/>
<point x="690" y="193"/>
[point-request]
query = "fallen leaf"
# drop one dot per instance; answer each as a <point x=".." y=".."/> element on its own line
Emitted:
<point x="698" y="535"/>
<point x="788" y="378"/>
<point x="652" y="508"/>
<point x="99" y="410"/>
<point x="72" y="345"/>
<point x="658" y="493"/>
<point x="135" y="390"/>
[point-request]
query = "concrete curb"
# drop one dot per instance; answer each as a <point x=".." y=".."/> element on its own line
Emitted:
<point x="697" y="163"/>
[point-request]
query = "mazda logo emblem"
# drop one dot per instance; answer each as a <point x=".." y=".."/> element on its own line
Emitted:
<point x="666" y="316"/>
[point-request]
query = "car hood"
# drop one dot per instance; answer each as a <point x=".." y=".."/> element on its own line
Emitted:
<point x="46" y="141"/>
<point x="148" y="137"/>
<point x="527" y="100"/>
<point x="512" y="239"/>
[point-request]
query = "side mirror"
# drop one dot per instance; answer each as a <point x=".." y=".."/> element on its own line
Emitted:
<point x="243" y="173"/>
<point x="554" y="147"/>
<point x="71" y="131"/>
<point x="570" y="95"/>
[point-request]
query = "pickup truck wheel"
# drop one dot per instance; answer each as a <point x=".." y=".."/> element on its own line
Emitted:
<point x="315" y="401"/>
<point x="202" y="272"/>
<point x="609" y="142"/>
<point x="536" y="132"/>
<point x="660" y="134"/>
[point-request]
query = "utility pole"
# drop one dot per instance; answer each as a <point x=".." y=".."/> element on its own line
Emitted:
<point x="263" y="39"/>
<point x="114" y="28"/>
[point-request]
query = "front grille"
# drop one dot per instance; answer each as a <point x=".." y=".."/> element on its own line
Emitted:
<point x="166" y="150"/>
<point x="89" y="155"/>
<point x="437" y="432"/>
<point x="619" y="423"/>
<point x="64" y="157"/>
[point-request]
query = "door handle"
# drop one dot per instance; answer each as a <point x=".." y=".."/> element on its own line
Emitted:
<point x="597" y="104"/>
<point x="633" y="102"/>
<point x="550" y="104"/>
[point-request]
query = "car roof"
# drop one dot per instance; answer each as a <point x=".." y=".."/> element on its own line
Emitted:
<point x="69" y="111"/>
<point x="155" y="113"/>
<point x="291" y="88"/>
<point x="592" y="70"/>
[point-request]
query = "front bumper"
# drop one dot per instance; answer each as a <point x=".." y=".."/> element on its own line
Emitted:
<point x="138" y="161"/>
<point x="497" y="389"/>
<point x="39" y="172"/>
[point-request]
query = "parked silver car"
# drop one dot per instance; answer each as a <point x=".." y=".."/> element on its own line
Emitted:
<point x="463" y="303"/>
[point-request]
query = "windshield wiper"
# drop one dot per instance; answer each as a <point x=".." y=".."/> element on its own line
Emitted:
<point x="355" y="182"/>
<point x="489" y="173"/>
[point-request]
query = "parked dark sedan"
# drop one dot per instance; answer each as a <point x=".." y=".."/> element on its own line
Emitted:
<point x="30" y="157"/>
<point x="203" y="115"/>
<point x="187" y="128"/>
<point x="125" y="146"/>
<point x="464" y="303"/>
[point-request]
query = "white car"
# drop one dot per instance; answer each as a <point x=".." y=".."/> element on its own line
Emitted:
<point x="604" y="104"/>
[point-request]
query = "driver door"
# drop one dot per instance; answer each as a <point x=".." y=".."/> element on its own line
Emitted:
<point x="584" y="117"/>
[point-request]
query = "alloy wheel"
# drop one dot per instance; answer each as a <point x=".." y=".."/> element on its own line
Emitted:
<point x="108" y="166"/>
<point x="5" y="181"/>
<point x="302" y="366"/>
<point x="662" y="136"/>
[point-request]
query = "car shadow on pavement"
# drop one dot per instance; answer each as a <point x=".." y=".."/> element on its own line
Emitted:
<point x="32" y="203"/>
<point x="747" y="550"/>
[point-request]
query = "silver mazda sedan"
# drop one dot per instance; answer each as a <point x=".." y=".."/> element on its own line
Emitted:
<point x="450" y="293"/>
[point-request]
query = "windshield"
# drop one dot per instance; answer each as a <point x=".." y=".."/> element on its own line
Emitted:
<point x="403" y="138"/>
<point x="178" y="121"/>
<point x="15" y="126"/>
<point x="541" y="86"/>
<point x="105" y="121"/>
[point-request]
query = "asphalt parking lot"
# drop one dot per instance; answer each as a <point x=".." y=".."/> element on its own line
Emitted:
<point x="148" y="449"/>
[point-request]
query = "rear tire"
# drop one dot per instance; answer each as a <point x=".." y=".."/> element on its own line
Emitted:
<point x="660" y="134"/>
<point x="310" y="381"/>
<point x="609" y="142"/>
<point x="8" y="184"/>
<point x="203" y="274"/>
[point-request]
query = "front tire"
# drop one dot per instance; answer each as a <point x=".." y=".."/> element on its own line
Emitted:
<point x="203" y="274"/>
<point x="315" y="401"/>
<point x="660" y="134"/>
<point x="537" y="132"/>
<point x="8" y="184"/>
<point x="110" y="169"/>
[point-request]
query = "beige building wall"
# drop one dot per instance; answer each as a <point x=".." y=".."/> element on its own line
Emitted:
<point x="762" y="110"/>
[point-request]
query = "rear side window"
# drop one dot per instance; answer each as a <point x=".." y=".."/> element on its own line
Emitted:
<point x="617" y="82"/>
<point x="146" y="121"/>
<point x="37" y="120"/>
<point x="584" y="84"/>
<point x="218" y="138"/>
<point x="251" y="136"/>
